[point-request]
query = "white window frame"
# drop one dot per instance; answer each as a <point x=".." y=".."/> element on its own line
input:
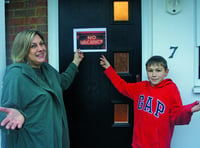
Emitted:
<point x="196" y="88"/>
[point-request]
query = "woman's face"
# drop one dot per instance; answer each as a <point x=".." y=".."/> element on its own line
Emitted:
<point x="37" y="52"/>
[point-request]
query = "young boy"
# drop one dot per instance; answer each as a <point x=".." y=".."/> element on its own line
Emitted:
<point x="157" y="104"/>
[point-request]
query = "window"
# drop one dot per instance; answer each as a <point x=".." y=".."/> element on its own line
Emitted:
<point x="121" y="113"/>
<point x="196" y="88"/>
<point x="121" y="10"/>
<point x="121" y="62"/>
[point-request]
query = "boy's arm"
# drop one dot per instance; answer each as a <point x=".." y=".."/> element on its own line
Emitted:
<point x="184" y="114"/>
<point x="179" y="114"/>
<point x="121" y="85"/>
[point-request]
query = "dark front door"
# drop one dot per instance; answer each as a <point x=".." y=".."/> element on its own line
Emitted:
<point x="100" y="117"/>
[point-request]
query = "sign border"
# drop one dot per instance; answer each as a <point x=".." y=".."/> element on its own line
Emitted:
<point x="75" y="30"/>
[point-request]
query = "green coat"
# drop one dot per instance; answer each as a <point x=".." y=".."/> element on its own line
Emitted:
<point x="41" y="103"/>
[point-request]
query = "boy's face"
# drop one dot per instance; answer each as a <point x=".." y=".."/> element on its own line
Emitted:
<point x="156" y="73"/>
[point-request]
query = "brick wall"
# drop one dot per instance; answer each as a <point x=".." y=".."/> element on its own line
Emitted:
<point x="24" y="14"/>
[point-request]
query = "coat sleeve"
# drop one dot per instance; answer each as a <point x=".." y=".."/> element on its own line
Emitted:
<point x="11" y="93"/>
<point x="68" y="76"/>
<point x="121" y="85"/>
<point x="179" y="114"/>
<point x="2" y="116"/>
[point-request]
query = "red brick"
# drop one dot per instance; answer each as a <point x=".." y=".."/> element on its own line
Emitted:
<point x="41" y="3"/>
<point x="42" y="28"/>
<point x="15" y="21"/>
<point x="25" y="13"/>
<point x="41" y="12"/>
<point x="31" y="20"/>
<point x="36" y="3"/>
<point x="9" y="13"/>
<point x="16" y="5"/>
<point x="36" y="20"/>
<point x="9" y="30"/>
<point x="19" y="29"/>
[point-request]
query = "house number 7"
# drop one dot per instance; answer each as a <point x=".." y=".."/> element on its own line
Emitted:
<point x="174" y="48"/>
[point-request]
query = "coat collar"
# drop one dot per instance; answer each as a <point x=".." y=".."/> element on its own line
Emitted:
<point x="28" y="71"/>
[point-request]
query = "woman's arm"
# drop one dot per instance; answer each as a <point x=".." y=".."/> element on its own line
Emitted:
<point x="69" y="74"/>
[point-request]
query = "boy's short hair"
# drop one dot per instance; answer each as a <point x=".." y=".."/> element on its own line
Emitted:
<point x="157" y="60"/>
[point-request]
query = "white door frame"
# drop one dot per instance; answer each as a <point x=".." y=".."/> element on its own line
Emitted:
<point x="3" y="43"/>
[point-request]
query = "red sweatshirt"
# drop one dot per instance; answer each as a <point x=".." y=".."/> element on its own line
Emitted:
<point x="156" y="110"/>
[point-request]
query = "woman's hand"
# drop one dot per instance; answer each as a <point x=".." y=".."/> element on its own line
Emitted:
<point x="104" y="62"/>
<point x="13" y="120"/>
<point x="78" y="57"/>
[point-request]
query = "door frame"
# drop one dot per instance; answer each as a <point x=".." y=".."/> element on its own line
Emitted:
<point x="3" y="44"/>
<point x="53" y="33"/>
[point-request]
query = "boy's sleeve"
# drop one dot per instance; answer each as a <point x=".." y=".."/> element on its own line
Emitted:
<point x="179" y="114"/>
<point x="121" y="85"/>
<point x="184" y="114"/>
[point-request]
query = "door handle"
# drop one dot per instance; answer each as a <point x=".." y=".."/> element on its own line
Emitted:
<point x="138" y="78"/>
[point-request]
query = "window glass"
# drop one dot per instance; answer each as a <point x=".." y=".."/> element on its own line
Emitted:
<point x="121" y="12"/>
<point x="121" y="62"/>
<point x="120" y="113"/>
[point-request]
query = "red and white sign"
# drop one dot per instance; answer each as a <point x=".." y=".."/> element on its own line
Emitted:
<point x="90" y="39"/>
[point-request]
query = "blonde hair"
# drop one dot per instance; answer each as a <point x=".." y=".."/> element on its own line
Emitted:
<point x="21" y="45"/>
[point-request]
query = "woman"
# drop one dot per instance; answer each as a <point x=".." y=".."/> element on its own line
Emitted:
<point x="33" y="113"/>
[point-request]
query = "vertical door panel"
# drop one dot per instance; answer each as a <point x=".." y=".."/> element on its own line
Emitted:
<point x="91" y="98"/>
